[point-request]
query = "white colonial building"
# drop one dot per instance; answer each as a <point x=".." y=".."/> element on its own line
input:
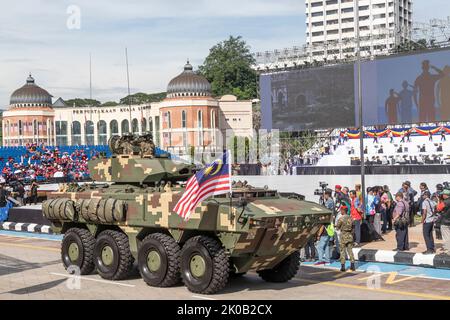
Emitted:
<point x="190" y="117"/>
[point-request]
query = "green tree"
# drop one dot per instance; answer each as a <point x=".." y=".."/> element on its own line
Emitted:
<point x="294" y="143"/>
<point x="110" y="104"/>
<point x="229" y="69"/>
<point x="83" y="102"/>
<point x="141" y="98"/>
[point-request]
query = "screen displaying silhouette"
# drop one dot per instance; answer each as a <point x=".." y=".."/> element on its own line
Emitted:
<point x="400" y="89"/>
<point x="310" y="98"/>
<point x="406" y="89"/>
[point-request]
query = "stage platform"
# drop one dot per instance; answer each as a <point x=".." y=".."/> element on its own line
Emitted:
<point x="373" y="170"/>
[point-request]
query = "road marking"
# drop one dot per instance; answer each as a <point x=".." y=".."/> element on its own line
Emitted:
<point x="94" y="280"/>
<point x="205" y="298"/>
<point x="26" y="246"/>
<point x="420" y="276"/>
<point x="398" y="292"/>
<point x="393" y="275"/>
<point x="323" y="272"/>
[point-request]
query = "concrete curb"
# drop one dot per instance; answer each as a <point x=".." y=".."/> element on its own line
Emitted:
<point x="409" y="258"/>
<point x="26" y="227"/>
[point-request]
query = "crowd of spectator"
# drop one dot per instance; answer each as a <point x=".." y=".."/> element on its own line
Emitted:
<point x="384" y="212"/>
<point x="43" y="164"/>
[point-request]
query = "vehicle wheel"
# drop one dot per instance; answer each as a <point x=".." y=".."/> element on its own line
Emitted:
<point x="77" y="249"/>
<point x="204" y="265"/>
<point x="284" y="271"/>
<point x="112" y="255"/>
<point x="159" y="260"/>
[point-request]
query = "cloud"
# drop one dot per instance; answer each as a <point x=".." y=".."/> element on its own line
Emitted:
<point x="160" y="36"/>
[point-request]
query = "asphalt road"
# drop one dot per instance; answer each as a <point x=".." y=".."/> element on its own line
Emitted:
<point x="30" y="268"/>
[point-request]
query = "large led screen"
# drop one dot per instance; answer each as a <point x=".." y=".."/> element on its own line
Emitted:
<point x="310" y="98"/>
<point x="401" y="89"/>
<point x="406" y="89"/>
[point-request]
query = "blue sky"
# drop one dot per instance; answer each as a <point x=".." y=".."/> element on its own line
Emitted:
<point x="160" y="36"/>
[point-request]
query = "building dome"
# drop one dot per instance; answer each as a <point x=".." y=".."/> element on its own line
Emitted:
<point x="32" y="94"/>
<point x="188" y="84"/>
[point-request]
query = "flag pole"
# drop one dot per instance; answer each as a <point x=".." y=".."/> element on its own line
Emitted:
<point x="231" y="183"/>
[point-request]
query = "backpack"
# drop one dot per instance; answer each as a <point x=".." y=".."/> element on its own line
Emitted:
<point x="402" y="222"/>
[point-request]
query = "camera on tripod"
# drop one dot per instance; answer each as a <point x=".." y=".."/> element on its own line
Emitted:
<point x="320" y="192"/>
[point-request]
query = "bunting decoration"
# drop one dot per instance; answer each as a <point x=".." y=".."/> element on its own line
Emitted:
<point x="396" y="132"/>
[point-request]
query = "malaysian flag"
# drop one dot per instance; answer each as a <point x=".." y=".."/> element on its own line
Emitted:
<point x="215" y="179"/>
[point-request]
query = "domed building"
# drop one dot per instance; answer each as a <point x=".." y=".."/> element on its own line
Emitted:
<point x="189" y="117"/>
<point x="188" y="84"/>
<point x="30" y="116"/>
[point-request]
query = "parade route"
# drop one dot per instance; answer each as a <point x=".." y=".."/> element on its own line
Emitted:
<point x="30" y="268"/>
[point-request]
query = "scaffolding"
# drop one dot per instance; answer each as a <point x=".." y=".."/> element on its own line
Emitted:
<point x="436" y="33"/>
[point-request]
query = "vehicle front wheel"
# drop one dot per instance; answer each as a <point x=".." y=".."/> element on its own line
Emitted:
<point x="204" y="265"/>
<point x="284" y="271"/>
<point x="77" y="250"/>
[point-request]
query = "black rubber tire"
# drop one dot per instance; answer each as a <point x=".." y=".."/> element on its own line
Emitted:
<point x="169" y="273"/>
<point x="86" y="242"/>
<point x="284" y="271"/>
<point x="122" y="258"/>
<point x="216" y="265"/>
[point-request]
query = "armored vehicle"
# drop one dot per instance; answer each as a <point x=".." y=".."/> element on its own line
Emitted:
<point x="127" y="216"/>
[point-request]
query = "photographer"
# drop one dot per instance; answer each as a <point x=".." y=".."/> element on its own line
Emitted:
<point x="328" y="201"/>
<point x="401" y="222"/>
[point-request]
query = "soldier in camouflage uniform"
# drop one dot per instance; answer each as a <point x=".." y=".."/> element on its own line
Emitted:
<point x="345" y="225"/>
<point x="146" y="145"/>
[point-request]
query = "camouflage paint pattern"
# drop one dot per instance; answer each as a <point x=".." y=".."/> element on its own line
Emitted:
<point x="258" y="227"/>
